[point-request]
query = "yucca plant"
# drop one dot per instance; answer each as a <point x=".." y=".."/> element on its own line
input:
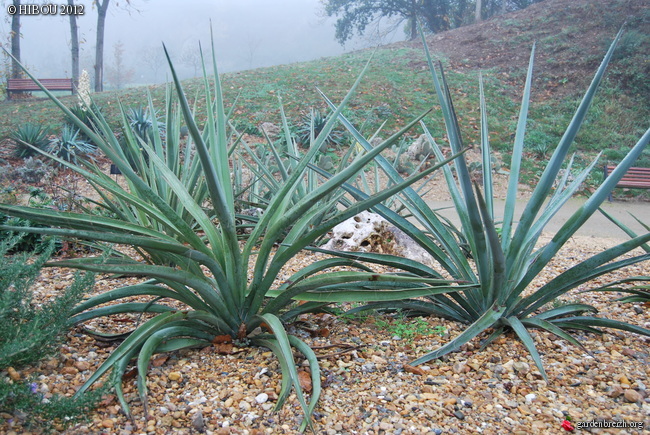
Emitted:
<point x="69" y="147"/>
<point x="503" y="262"/>
<point x="311" y="125"/>
<point x="29" y="134"/>
<point x="196" y="259"/>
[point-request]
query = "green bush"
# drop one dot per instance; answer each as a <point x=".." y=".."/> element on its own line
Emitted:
<point x="29" y="334"/>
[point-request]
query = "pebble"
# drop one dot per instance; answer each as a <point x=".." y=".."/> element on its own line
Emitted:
<point x="616" y="391"/>
<point x="262" y="398"/>
<point x="459" y="415"/>
<point x="13" y="374"/>
<point x="108" y="423"/>
<point x="632" y="396"/>
<point x="521" y="367"/>
<point x="530" y="397"/>
<point x="174" y="376"/>
<point x="82" y="366"/>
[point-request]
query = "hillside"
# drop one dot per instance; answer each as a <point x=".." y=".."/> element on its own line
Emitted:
<point x="571" y="36"/>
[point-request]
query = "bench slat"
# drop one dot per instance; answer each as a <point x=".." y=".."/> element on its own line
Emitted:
<point x="27" y="85"/>
<point x="634" y="178"/>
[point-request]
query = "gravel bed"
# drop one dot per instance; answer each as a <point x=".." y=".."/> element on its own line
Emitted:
<point x="369" y="387"/>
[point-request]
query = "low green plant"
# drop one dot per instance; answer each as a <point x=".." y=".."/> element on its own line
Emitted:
<point x="502" y="265"/>
<point x="69" y="147"/>
<point x="193" y="253"/>
<point x="29" y="334"/>
<point x="409" y="329"/>
<point x="26" y="404"/>
<point x="29" y="134"/>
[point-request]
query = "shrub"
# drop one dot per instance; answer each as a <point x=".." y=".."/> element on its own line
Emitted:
<point x="29" y="134"/>
<point x="193" y="254"/>
<point x="33" y="171"/>
<point x="29" y="334"/>
<point x="69" y="147"/>
<point x="502" y="262"/>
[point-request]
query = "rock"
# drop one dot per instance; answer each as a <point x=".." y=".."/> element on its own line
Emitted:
<point x="69" y="370"/>
<point x="615" y="392"/>
<point x="615" y="354"/>
<point x="459" y="415"/>
<point x="271" y="130"/>
<point x="108" y="423"/>
<point x="174" y="376"/>
<point x="420" y="149"/>
<point x="521" y="367"/>
<point x="13" y="374"/>
<point x="82" y="366"/>
<point x="530" y="397"/>
<point x="460" y="367"/>
<point x="197" y="422"/>
<point x="262" y="398"/>
<point x="632" y="396"/>
<point x="449" y="401"/>
<point x="637" y="309"/>
<point x="369" y="232"/>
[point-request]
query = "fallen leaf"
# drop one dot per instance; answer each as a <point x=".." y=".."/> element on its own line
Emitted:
<point x="220" y="339"/>
<point x="323" y="332"/>
<point x="159" y="360"/>
<point x="130" y="374"/>
<point x="415" y="370"/>
<point x="305" y="381"/>
<point x="224" y="348"/>
<point x="107" y="400"/>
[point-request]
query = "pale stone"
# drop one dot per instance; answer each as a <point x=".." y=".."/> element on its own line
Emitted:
<point x="369" y="232"/>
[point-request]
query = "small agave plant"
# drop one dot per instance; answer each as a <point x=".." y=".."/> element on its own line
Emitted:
<point x="503" y="262"/>
<point x="193" y="254"/>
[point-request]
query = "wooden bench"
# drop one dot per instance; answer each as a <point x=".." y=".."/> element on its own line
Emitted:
<point x="28" y="85"/>
<point x="634" y="178"/>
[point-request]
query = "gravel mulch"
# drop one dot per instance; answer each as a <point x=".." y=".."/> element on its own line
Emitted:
<point x="369" y="387"/>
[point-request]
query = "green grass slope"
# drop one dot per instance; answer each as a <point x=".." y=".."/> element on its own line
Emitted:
<point x="571" y="36"/>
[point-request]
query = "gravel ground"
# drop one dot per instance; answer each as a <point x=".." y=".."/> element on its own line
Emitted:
<point x="369" y="388"/>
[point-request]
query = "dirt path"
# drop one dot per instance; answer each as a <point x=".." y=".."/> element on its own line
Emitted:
<point x="597" y="226"/>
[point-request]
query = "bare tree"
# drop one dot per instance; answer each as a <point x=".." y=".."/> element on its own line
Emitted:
<point x="191" y="57"/>
<point x="117" y="73"/>
<point x="102" y="8"/>
<point x="15" y="41"/>
<point x="154" y="58"/>
<point x="479" y="8"/>
<point x="74" y="46"/>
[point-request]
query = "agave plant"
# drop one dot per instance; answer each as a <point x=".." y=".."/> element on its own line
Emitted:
<point x="29" y="134"/>
<point x="311" y="126"/>
<point x="68" y="147"/>
<point x="503" y="262"/>
<point x="196" y="259"/>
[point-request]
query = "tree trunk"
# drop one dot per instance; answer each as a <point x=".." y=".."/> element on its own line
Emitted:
<point x="414" y="21"/>
<point x="479" y="7"/>
<point x="15" y="41"/>
<point x="74" y="47"/>
<point x="102" y="7"/>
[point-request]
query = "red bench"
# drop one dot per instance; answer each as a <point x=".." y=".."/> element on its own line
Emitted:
<point x="634" y="178"/>
<point x="28" y="85"/>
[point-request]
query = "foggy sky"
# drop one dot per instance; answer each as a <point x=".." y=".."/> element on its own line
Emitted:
<point x="248" y="34"/>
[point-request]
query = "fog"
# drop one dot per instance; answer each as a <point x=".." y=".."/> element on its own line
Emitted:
<point x="247" y="34"/>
